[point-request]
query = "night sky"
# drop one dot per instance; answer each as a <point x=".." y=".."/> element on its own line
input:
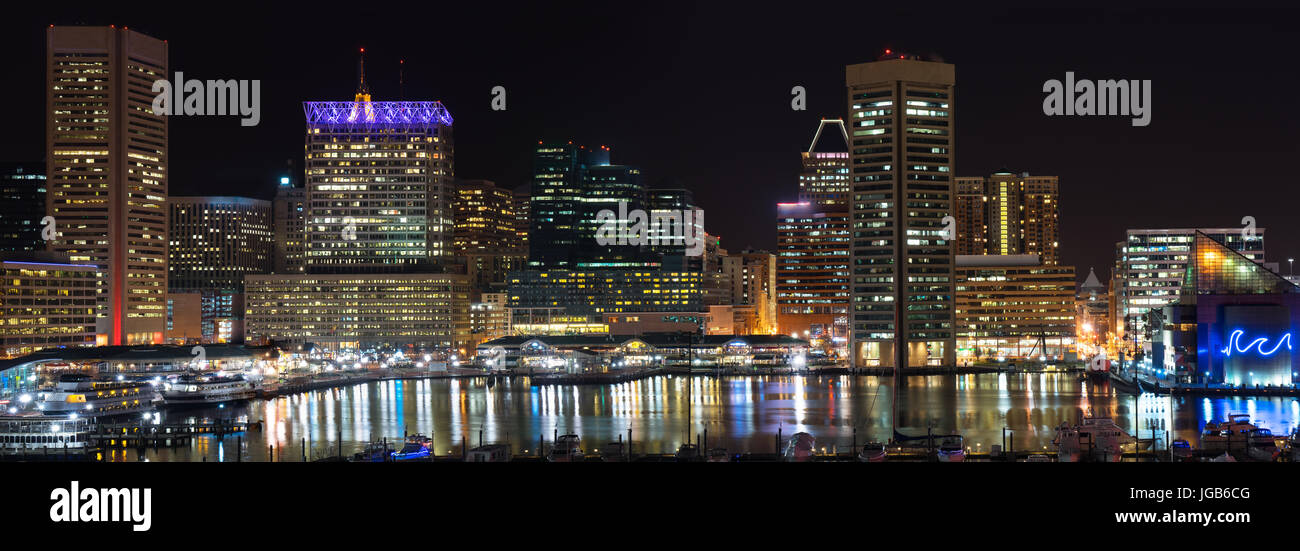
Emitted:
<point x="699" y="96"/>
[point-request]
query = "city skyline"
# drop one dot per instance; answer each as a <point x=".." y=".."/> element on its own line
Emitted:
<point x="1002" y="128"/>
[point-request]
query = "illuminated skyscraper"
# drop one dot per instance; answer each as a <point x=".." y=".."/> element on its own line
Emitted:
<point x="1007" y="214"/>
<point x="485" y="232"/>
<point x="812" y="270"/>
<point x="901" y="122"/>
<point x="378" y="185"/>
<point x="106" y="157"/>
<point x="824" y="180"/>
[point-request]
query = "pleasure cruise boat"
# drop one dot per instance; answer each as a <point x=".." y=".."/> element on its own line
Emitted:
<point x="208" y="390"/>
<point x="88" y="397"/>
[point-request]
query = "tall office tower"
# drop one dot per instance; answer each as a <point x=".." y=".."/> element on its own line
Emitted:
<point x="1153" y="263"/>
<point x="1008" y="213"/>
<point x="485" y="232"/>
<point x="22" y="206"/>
<point x="557" y="202"/>
<point x="106" y="157"/>
<point x="901" y="115"/>
<point x="812" y="271"/>
<point x="618" y="189"/>
<point x="716" y="282"/>
<point x="824" y="179"/>
<point x="379" y="180"/>
<point x="668" y="243"/>
<point x="289" y="209"/>
<point x="753" y="283"/>
<point x="523" y="214"/>
<point x="216" y="241"/>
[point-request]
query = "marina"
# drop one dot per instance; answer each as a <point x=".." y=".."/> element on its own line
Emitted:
<point x="999" y="417"/>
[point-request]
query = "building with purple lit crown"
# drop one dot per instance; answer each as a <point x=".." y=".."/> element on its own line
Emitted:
<point x="379" y="185"/>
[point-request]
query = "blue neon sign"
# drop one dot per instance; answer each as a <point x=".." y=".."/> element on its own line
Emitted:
<point x="1234" y="342"/>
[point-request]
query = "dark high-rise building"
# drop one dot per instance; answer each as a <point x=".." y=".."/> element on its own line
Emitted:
<point x="618" y="189"/>
<point x="557" y="209"/>
<point x="216" y="241"/>
<point x="901" y="125"/>
<point x="106" y="162"/>
<point x="289" y="210"/>
<point x="22" y="206"/>
<point x="667" y="202"/>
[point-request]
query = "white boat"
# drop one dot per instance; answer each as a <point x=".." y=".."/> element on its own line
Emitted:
<point x="1261" y="445"/>
<point x="34" y="431"/>
<point x="951" y="449"/>
<point x="567" y="449"/>
<point x="1231" y="436"/>
<point x="208" y="390"/>
<point x="1067" y="444"/>
<point x="491" y="453"/>
<point x="89" y="397"/>
<point x="872" y="452"/>
<point x="1097" y="439"/>
<point x="1038" y="458"/>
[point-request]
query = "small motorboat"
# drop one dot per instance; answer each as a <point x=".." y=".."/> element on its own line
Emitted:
<point x="1261" y="445"/>
<point x="1038" y="458"/>
<point x="801" y="447"/>
<point x="719" y="455"/>
<point x="872" y="452"/>
<point x="375" y="452"/>
<point x="951" y="449"/>
<point x="417" y="446"/>
<point x="1182" y="450"/>
<point x="567" y="449"/>
<point x="687" y="452"/>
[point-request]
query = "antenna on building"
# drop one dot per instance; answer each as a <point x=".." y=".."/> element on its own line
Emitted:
<point x="401" y="79"/>
<point x="363" y="91"/>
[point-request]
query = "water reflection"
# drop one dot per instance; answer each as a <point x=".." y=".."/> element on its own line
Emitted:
<point x="742" y="414"/>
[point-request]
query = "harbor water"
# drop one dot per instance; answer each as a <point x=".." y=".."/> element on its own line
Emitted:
<point x="741" y="413"/>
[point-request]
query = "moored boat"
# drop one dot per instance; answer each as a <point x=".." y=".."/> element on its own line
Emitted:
<point x="951" y="449"/>
<point x="87" y="396"/>
<point x="873" y="452"/>
<point x="417" y="446"/>
<point x="567" y="449"/>
<point x="801" y="447"/>
<point x="208" y="390"/>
